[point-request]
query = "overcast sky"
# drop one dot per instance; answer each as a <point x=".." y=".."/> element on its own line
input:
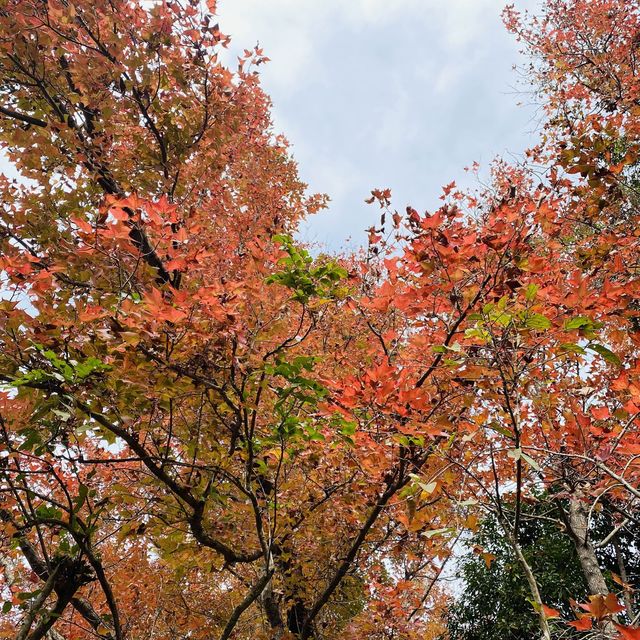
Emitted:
<point x="386" y="93"/>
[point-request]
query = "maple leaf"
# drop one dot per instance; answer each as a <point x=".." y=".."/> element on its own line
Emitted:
<point x="600" y="413"/>
<point x="186" y="390"/>
<point x="628" y="633"/>
<point x="582" y="624"/>
<point x="550" y="612"/>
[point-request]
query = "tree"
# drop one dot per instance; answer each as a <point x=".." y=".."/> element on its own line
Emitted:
<point x="149" y="339"/>
<point x="494" y="599"/>
<point x="535" y="331"/>
<point x="584" y="65"/>
<point x="171" y="458"/>
<point x="207" y="432"/>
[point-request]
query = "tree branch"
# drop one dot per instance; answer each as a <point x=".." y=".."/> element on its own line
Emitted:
<point x="23" y="117"/>
<point x="249" y="599"/>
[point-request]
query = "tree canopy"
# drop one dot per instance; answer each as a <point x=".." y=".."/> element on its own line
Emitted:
<point x="208" y="431"/>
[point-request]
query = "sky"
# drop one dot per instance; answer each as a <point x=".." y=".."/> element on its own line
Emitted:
<point x="401" y="94"/>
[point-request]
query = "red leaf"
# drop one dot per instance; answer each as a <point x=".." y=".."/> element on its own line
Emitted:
<point x="628" y="633"/>
<point x="582" y="624"/>
<point x="549" y="612"/>
<point x="630" y="449"/>
<point x="601" y="413"/>
<point x="612" y="604"/>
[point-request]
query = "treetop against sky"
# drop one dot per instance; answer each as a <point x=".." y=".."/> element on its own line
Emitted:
<point x="207" y="431"/>
<point x="401" y="94"/>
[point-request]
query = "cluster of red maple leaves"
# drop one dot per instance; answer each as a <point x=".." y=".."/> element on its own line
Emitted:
<point x="207" y="432"/>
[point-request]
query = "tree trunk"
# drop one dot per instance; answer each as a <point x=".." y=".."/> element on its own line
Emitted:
<point x="271" y="605"/>
<point x="578" y="521"/>
<point x="626" y="595"/>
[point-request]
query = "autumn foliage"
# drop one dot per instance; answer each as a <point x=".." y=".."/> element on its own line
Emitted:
<point x="207" y="432"/>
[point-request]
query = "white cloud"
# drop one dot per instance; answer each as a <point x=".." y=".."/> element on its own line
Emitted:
<point x="295" y="32"/>
<point x="372" y="93"/>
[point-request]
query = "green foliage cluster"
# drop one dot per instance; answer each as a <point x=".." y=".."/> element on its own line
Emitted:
<point x="305" y="279"/>
<point x="495" y="600"/>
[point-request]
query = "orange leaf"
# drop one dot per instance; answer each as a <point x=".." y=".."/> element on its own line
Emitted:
<point x="582" y="624"/>
<point x="550" y="612"/>
<point x="630" y="448"/>
<point x="628" y="633"/>
<point x="119" y="214"/>
<point x="601" y="413"/>
<point x="618" y="580"/>
<point x="488" y="559"/>
<point x="595" y="607"/>
<point x="612" y="604"/>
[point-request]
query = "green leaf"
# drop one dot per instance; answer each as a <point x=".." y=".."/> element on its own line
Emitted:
<point x="48" y="511"/>
<point x="402" y="439"/>
<point x="530" y="292"/>
<point x="534" y="604"/>
<point x="33" y="439"/>
<point x="63" y="415"/>
<point x="347" y="428"/>
<point x="83" y="491"/>
<point x="91" y="365"/>
<point x="305" y="280"/>
<point x="478" y="332"/>
<point x="530" y="461"/>
<point x="501" y="430"/>
<point x="537" y="321"/>
<point x="606" y="353"/>
<point x="516" y="454"/>
<point x="433" y="533"/>
<point x="503" y="319"/>
<point x="579" y="322"/>
<point x="427" y="488"/>
<point x="572" y="348"/>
